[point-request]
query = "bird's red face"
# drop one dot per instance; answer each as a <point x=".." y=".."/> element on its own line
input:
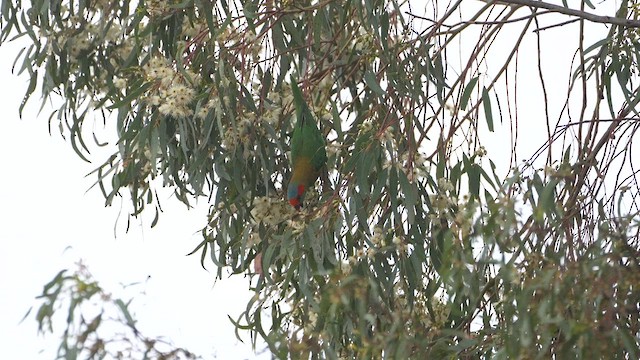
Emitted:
<point x="295" y="193"/>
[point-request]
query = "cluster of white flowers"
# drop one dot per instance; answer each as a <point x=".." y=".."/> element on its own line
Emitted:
<point x="463" y="220"/>
<point x="312" y="199"/>
<point x="124" y="49"/>
<point x="157" y="8"/>
<point x="214" y="104"/>
<point x="252" y="43"/>
<point x="103" y="4"/>
<point x="175" y="101"/>
<point x="113" y="34"/>
<point x="360" y="253"/>
<point x="232" y="207"/>
<point x="378" y="237"/>
<point x="241" y="37"/>
<point x="119" y="83"/>
<point x="254" y="239"/>
<point x="149" y="157"/>
<point x="174" y="94"/>
<point x="310" y="325"/>
<point x="231" y="139"/>
<point x="415" y="169"/>
<point x="440" y="311"/>
<point x="452" y="109"/>
<point x="364" y="39"/>
<point x="304" y="314"/>
<point x="388" y="136"/>
<point x="192" y="29"/>
<point x="365" y="126"/>
<point x="246" y="122"/>
<point x="240" y="134"/>
<point x="333" y="149"/>
<point x="401" y="297"/>
<point x="76" y="33"/>
<point x="287" y="99"/>
<point x="346" y="267"/>
<point x="273" y="108"/>
<point x="271" y="211"/>
<point x="378" y="240"/>
<point x="443" y="200"/>
<point x="297" y="225"/>
<point x="445" y="185"/>
<point x="481" y="151"/>
<point x="326" y="83"/>
<point x="422" y="309"/>
<point x="158" y="68"/>
<point x="401" y="38"/>
<point x="389" y="163"/>
<point x="227" y="36"/>
<point x="419" y="166"/>
<point x="79" y="43"/>
<point x="401" y="246"/>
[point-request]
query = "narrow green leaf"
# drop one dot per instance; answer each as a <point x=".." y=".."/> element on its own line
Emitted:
<point x="487" y="108"/>
<point x="124" y="308"/>
<point x="466" y="94"/>
<point x="30" y="89"/>
<point x="156" y="217"/>
<point x="473" y="173"/>
<point x="56" y="280"/>
<point x="547" y="197"/>
<point x="630" y="342"/>
<point x="597" y="45"/>
<point x="410" y="196"/>
<point x="370" y="80"/>
<point x="384" y="29"/>
<point x="138" y="89"/>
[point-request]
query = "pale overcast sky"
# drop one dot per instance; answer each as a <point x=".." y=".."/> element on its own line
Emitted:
<point x="48" y="222"/>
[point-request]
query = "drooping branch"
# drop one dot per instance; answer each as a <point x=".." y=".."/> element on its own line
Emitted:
<point x="612" y="20"/>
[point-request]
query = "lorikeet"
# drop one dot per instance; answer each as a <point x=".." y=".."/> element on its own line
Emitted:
<point x="308" y="154"/>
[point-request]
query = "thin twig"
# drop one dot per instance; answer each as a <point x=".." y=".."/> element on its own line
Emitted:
<point x="571" y="12"/>
<point x="555" y="25"/>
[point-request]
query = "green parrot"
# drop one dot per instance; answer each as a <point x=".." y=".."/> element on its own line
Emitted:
<point x="308" y="154"/>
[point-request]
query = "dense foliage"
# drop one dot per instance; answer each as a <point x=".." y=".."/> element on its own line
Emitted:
<point x="428" y="235"/>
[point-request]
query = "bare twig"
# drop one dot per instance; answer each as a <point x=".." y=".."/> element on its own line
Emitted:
<point x="571" y="12"/>
<point x="555" y="25"/>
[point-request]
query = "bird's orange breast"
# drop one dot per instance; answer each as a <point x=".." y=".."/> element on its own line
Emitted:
<point x="304" y="172"/>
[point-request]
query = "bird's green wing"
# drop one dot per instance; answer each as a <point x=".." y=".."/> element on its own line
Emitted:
<point x="297" y="136"/>
<point x="306" y="140"/>
<point x="297" y="141"/>
<point x="314" y="146"/>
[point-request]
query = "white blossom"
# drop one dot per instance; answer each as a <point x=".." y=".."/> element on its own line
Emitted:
<point x="120" y="83"/>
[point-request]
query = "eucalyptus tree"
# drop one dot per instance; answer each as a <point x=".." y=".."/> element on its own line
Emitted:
<point x="480" y="196"/>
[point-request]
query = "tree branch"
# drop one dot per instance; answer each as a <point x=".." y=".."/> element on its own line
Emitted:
<point x="572" y="12"/>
